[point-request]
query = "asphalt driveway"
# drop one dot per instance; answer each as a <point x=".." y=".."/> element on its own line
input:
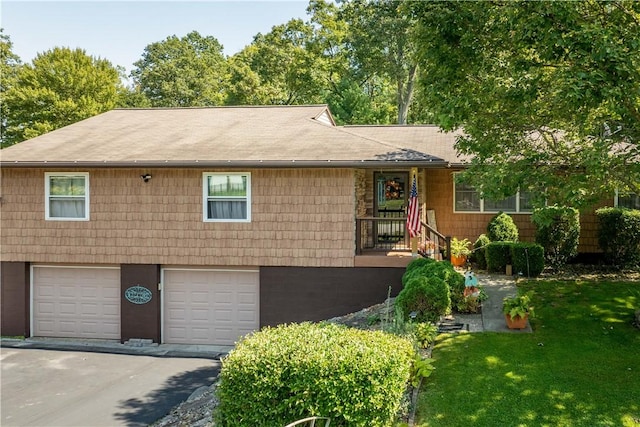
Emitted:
<point x="70" y="388"/>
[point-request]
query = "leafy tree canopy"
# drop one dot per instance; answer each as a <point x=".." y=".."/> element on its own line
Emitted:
<point x="548" y="93"/>
<point x="182" y="72"/>
<point x="60" y="87"/>
<point x="278" y="68"/>
<point x="380" y="44"/>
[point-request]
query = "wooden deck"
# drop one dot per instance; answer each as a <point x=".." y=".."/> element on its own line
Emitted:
<point x="383" y="259"/>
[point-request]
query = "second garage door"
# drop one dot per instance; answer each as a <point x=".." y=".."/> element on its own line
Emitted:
<point x="209" y="306"/>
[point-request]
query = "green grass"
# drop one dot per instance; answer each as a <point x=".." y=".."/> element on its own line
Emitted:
<point x="580" y="367"/>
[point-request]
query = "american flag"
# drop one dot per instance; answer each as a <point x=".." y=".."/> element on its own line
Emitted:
<point x="413" y="213"/>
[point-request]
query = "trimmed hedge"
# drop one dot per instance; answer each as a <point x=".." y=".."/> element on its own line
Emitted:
<point x="619" y="235"/>
<point x="501" y="228"/>
<point x="479" y="255"/>
<point x="527" y="258"/>
<point x="558" y="231"/>
<point x="498" y="256"/>
<point x="282" y="374"/>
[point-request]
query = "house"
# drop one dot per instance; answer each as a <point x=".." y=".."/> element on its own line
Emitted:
<point x="198" y="225"/>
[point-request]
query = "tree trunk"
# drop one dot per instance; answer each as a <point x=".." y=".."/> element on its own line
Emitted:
<point x="405" y="94"/>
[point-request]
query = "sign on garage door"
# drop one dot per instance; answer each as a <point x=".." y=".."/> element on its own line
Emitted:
<point x="209" y="306"/>
<point x="76" y="302"/>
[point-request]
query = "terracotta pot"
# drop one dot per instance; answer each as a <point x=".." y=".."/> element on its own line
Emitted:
<point x="516" y="322"/>
<point x="470" y="290"/>
<point x="458" y="261"/>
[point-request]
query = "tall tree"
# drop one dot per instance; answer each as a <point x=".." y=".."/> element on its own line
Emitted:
<point x="60" y="87"/>
<point x="354" y="97"/>
<point x="10" y="63"/>
<point x="278" y="68"/>
<point x="381" y="45"/>
<point x="182" y="72"/>
<point x="548" y="93"/>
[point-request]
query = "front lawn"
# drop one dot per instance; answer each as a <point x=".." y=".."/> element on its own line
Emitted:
<point x="580" y="367"/>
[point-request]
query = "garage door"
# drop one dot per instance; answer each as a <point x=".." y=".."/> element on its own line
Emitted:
<point x="76" y="302"/>
<point x="209" y="306"/>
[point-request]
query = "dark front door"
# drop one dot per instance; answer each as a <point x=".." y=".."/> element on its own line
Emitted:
<point x="390" y="202"/>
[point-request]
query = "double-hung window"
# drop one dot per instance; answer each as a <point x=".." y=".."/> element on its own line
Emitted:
<point x="467" y="199"/>
<point x="631" y="201"/>
<point x="66" y="196"/>
<point x="227" y="197"/>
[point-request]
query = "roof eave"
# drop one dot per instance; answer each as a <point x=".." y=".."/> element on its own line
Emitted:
<point x="234" y="164"/>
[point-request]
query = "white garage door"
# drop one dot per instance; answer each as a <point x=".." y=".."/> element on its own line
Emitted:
<point x="209" y="306"/>
<point x="76" y="302"/>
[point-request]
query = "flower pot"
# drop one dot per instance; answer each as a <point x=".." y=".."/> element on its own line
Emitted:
<point x="458" y="261"/>
<point x="516" y="322"/>
<point x="471" y="291"/>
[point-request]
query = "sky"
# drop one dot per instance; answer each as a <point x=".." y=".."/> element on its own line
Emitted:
<point x="119" y="30"/>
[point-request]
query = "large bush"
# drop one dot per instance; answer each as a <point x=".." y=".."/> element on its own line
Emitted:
<point x="558" y="231"/>
<point x="501" y="228"/>
<point x="427" y="297"/>
<point x="427" y="267"/>
<point x="498" y="256"/>
<point x="619" y="235"/>
<point x="289" y="372"/>
<point x="527" y="259"/>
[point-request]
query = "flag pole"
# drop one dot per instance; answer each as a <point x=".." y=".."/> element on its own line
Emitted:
<point x="414" y="239"/>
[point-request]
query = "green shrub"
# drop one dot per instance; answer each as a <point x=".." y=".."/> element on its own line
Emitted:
<point x="501" y="228"/>
<point x="427" y="297"/>
<point x="527" y="259"/>
<point x="416" y="267"/>
<point x="498" y="256"/>
<point x="289" y="372"/>
<point x="619" y="235"/>
<point x="425" y="333"/>
<point x="479" y="255"/>
<point x="558" y="231"/>
<point x="432" y="268"/>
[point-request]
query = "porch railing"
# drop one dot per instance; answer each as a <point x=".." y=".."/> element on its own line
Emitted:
<point x="390" y="234"/>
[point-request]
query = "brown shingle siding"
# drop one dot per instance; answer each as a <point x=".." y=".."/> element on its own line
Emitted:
<point x="439" y="183"/>
<point x="297" y="219"/>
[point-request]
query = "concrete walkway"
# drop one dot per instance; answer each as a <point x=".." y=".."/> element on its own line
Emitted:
<point x="497" y="288"/>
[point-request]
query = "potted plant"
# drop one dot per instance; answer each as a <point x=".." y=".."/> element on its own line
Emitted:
<point x="459" y="251"/>
<point x="517" y="310"/>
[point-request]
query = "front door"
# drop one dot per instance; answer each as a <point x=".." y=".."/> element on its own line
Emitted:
<point x="390" y="202"/>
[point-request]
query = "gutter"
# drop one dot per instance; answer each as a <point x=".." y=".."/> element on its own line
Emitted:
<point x="233" y="164"/>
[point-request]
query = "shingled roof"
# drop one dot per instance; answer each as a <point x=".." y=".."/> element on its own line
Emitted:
<point x="248" y="136"/>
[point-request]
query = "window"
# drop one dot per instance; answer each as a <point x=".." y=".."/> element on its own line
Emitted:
<point x="632" y="201"/>
<point x="66" y="196"/>
<point x="227" y="197"/>
<point x="468" y="199"/>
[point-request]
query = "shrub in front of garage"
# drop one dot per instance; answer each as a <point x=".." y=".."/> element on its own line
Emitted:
<point x="285" y="373"/>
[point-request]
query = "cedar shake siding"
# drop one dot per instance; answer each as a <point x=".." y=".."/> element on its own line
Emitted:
<point x="438" y="191"/>
<point x="299" y="217"/>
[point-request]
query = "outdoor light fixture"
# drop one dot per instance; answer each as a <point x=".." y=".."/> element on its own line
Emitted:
<point x="146" y="177"/>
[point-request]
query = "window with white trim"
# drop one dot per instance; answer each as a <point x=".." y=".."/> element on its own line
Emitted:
<point x="631" y="201"/>
<point x="66" y="196"/>
<point x="467" y="199"/>
<point x="226" y="197"/>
